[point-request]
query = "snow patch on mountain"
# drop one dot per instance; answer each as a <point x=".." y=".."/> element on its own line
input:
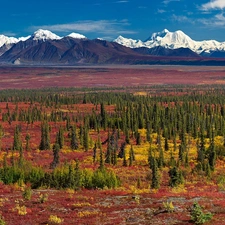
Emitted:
<point x="76" y="36"/>
<point x="24" y="38"/>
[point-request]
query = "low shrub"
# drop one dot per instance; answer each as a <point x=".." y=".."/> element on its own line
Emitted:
<point x="198" y="216"/>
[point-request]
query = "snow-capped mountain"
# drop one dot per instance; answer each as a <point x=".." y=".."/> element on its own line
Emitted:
<point x="76" y="36"/>
<point x="39" y="35"/>
<point x="24" y="38"/>
<point x="4" y="40"/>
<point x="44" y="35"/>
<point x="45" y="47"/>
<point x="128" y="42"/>
<point x="7" y="40"/>
<point x="173" y="40"/>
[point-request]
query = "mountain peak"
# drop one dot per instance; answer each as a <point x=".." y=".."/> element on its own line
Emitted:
<point x="76" y="36"/>
<point x="44" y="35"/>
<point x="158" y="35"/>
<point x="7" y="40"/>
<point x="167" y="39"/>
<point x="165" y="31"/>
<point x="128" y="42"/>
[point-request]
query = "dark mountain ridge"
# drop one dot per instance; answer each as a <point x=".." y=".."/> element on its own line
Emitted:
<point x="72" y="51"/>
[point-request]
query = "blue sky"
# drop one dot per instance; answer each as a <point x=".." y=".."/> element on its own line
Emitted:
<point x="137" y="19"/>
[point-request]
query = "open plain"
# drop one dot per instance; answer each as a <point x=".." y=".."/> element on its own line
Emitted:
<point x="177" y="105"/>
<point x="120" y="76"/>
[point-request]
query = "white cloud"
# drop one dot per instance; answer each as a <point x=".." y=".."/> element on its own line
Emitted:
<point x="181" y="18"/>
<point x="9" y="33"/>
<point x="103" y="27"/>
<point x="161" y="11"/>
<point x="217" y="21"/>
<point x="213" y="4"/>
<point x="122" y="1"/>
<point x="142" y="7"/>
<point x="168" y="1"/>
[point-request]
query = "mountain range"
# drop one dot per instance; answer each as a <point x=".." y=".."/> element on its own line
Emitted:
<point x="174" y="40"/>
<point x="45" y="47"/>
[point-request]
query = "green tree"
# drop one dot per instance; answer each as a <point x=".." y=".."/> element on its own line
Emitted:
<point x="86" y="138"/>
<point x="77" y="176"/>
<point x="45" y="137"/>
<point x="166" y="146"/>
<point x="27" y="138"/>
<point x="101" y="160"/>
<point x="73" y="141"/>
<point x="131" y="156"/>
<point x="148" y="132"/>
<point x="176" y="177"/>
<point x="94" y="152"/>
<point x="17" y="143"/>
<point x="103" y="116"/>
<point x="198" y="216"/>
<point x="138" y="139"/>
<point x="55" y="162"/>
<point x="155" y="175"/>
<point x="212" y="153"/>
<point x="60" y="137"/>
<point x="124" y="158"/>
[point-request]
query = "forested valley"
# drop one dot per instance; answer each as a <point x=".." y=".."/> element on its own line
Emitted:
<point x="165" y="143"/>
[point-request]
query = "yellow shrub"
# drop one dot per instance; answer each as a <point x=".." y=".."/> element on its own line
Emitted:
<point x="168" y="206"/>
<point x="87" y="213"/>
<point x="21" y="210"/>
<point x="179" y="189"/>
<point x="70" y="192"/>
<point x="80" y="204"/>
<point x="53" y="220"/>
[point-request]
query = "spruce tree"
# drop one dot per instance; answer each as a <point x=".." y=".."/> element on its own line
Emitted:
<point x="73" y="141"/>
<point x="172" y="161"/>
<point x="138" y="139"/>
<point x="155" y="175"/>
<point x="55" y="162"/>
<point x="27" y="138"/>
<point x="121" y="152"/>
<point x="60" y="137"/>
<point x="77" y="176"/>
<point x="124" y="158"/>
<point x="86" y="138"/>
<point x="101" y="160"/>
<point x="176" y="177"/>
<point x="201" y="149"/>
<point x="166" y="145"/>
<point x="94" y="152"/>
<point x="45" y="137"/>
<point x="127" y="136"/>
<point x="71" y="177"/>
<point x="148" y="132"/>
<point x="17" y="143"/>
<point x="150" y="157"/>
<point x="103" y="116"/>
<point x="212" y="153"/>
<point x="131" y="156"/>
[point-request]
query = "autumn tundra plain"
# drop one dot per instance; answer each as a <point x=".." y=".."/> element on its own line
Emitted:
<point x="112" y="145"/>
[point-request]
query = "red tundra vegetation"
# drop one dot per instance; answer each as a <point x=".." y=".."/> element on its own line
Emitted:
<point x="140" y="152"/>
